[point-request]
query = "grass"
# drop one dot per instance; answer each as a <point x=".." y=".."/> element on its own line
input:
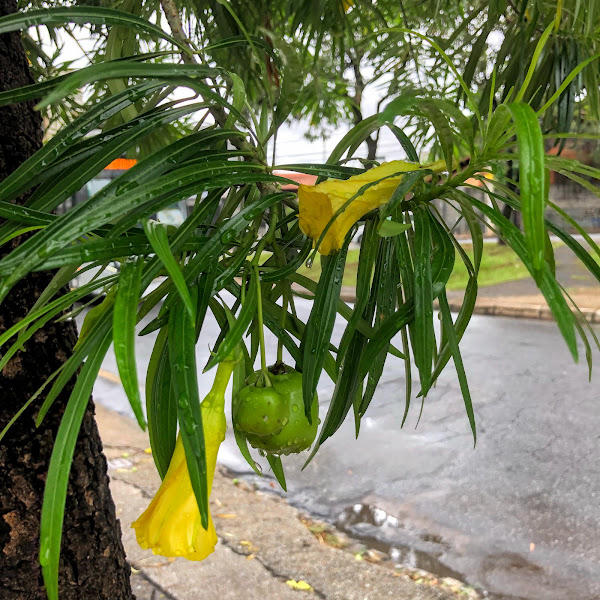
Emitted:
<point x="499" y="264"/>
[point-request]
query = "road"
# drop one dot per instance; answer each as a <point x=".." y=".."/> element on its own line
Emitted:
<point x="518" y="515"/>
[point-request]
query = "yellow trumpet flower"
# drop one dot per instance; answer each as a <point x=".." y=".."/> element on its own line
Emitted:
<point x="318" y="203"/>
<point x="171" y="526"/>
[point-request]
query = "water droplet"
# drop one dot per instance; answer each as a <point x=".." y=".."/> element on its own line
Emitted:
<point x="295" y="408"/>
<point x="44" y="554"/>
<point x="227" y="237"/>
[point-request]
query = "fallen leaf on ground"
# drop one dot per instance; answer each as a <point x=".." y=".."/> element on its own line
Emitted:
<point x="299" y="585"/>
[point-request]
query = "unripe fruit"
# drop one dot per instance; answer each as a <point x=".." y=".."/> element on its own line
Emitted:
<point x="297" y="434"/>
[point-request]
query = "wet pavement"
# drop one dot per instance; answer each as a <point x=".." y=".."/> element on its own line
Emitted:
<point x="518" y="515"/>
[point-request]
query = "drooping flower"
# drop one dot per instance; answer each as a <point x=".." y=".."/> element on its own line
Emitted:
<point x="318" y="203"/>
<point x="171" y="525"/>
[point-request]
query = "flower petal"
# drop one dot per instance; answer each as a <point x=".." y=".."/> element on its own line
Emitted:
<point x="319" y="203"/>
<point x="171" y="525"/>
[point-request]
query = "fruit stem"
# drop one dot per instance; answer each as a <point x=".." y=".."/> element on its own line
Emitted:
<point x="284" y="304"/>
<point x="261" y="334"/>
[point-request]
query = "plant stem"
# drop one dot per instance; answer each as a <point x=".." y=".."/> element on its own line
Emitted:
<point x="282" y="320"/>
<point x="261" y="332"/>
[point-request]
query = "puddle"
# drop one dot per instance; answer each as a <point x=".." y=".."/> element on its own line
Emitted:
<point x="367" y="522"/>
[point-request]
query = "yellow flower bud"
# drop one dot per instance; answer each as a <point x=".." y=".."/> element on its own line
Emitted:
<point x="318" y="203"/>
<point x="171" y="526"/>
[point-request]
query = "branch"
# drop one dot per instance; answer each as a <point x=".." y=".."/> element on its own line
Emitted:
<point x="174" y="20"/>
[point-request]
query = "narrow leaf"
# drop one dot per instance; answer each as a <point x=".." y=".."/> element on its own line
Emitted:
<point x="320" y="323"/>
<point x="182" y="356"/>
<point x="55" y="490"/>
<point x="124" y="321"/>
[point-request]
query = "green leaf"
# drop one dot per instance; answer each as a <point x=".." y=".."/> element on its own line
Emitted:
<point x="369" y="246"/>
<point x="157" y="235"/>
<point x="242" y="444"/>
<point x="532" y="177"/>
<point x="124" y="320"/>
<point x="41" y="314"/>
<point x="292" y="266"/>
<point x="423" y="332"/>
<point x="355" y="136"/>
<point x="22" y="214"/>
<point x="88" y="341"/>
<point x="411" y="105"/>
<point x="346" y="388"/>
<point x="547" y="284"/>
<point x="37" y="90"/>
<point x="22" y="178"/>
<point x="407" y="374"/>
<point x="534" y="60"/>
<point x="229" y="229"/>
<point x="390" y="228"/>
<point x="407" y="183"/>
<point x="83" y="15"/>
<point x="73" y="180"/>
<point x="407" y="145"/>
<point x="161" y="405"/>
<point x="182" y="356"/>
<point x="292" y="81"/>
<point x="236" y="332"/>
<point x="458" y="364"/>
<point x="117" y="70"/>
<point x="320" y="323"/>
<point x="170" y="188"/>
<point x="55" y="490"/>
<point x="442" y="128"/>
<point x="327" y="171"/>
<point x="277" y="466"/>
<point x="104" y="250"/>
<point x="386" y="295"/>
<point x="382" y="337"/>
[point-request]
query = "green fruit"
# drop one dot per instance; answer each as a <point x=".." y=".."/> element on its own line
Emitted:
<point x="260" y="410"/>
<point x="297" y="434"/>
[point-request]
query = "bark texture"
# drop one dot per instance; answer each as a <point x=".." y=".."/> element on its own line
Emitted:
<point x="93" y="565"/>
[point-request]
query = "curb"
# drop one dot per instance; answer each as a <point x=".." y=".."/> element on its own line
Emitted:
<point x="522" y="311"/>
<point x="494" y="307"/>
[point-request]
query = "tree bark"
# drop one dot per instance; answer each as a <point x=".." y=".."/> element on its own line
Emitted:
<point x="93" y="564"/>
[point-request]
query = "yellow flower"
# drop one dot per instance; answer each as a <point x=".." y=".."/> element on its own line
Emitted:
<point x="171" y="526"/>
<point x="318" y="203"/>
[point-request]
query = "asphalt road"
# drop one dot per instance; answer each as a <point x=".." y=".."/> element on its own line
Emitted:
<point x="518" y="515"/>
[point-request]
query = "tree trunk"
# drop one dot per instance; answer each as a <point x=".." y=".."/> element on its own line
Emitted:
<point x="92" y="565"/>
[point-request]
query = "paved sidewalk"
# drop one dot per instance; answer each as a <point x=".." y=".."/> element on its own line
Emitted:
<point x="265" y="544"/>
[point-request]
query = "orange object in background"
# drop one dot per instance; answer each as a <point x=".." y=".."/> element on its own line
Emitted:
<point x="121" y="164"/>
